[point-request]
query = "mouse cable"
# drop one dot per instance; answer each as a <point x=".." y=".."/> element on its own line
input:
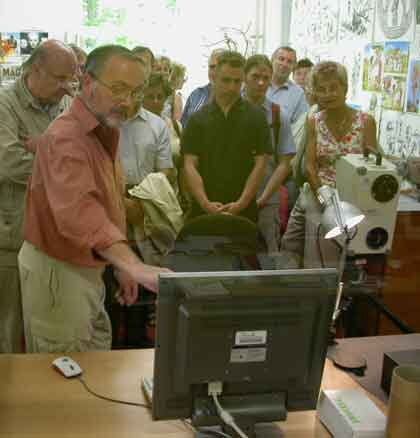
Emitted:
<point x="103" y="397"/>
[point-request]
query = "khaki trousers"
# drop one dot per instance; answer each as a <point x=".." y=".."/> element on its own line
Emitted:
<point x="11" y="325"/>
<point x="63" y="305"/>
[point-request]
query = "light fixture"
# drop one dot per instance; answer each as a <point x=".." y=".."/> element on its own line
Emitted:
<point x="339" y="217"/>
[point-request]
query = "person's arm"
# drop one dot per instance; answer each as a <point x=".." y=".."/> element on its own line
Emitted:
<point x="301" y="107"/>
<point x="196" y="186"/>
<point x="251" y="186"/>
<point x="123" y="258"/>
<point x="286" y="150"/>
<point x="79" y="215"/>
<point x="186" y="113"/>
<point x="177" y="108"/>
<point x="277" y="179"/>
<point x="369" y="134"/>
<point x="311" y="165"/>
<point x="15" y="159"/>
<point x="164" y="161"/>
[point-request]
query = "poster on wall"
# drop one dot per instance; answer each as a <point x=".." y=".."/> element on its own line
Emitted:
<point x="413" y="87"/>
<point x="373" y="67"/>
<point x="396" y="57"/>
<point x="371" y="103"/>
<point x="350" y="54"/>
<point x="399" y="134"/>
<point x="9" y="73"/>
<point x="356" y="20"/>
<point x="30" y="40"/>
<point x="300" y="21"/>
<point x="315" y="21"/>
<point x="393" y="92"/>
<point x="395" y="20"/>
<point x="9" y="45"/>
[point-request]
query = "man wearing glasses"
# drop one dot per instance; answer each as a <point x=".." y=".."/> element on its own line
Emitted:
<point x="26" y="110"/>
<point x="75" y="214"/>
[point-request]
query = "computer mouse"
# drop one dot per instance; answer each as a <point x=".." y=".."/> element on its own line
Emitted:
<point x="67" y="366"/>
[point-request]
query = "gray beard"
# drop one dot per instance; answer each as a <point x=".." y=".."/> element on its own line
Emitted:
<point x="99" y="116"/>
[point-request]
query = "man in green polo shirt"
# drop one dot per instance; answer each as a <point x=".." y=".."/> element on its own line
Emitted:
<point x="26" y="109"/>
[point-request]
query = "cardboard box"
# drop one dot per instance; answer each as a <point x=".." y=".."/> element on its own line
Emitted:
<point x="393" y="359"/>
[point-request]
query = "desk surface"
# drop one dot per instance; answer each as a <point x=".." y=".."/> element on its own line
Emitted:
<point x="36" y="401"/>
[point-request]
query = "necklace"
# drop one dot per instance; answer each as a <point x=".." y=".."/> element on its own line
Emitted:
<point x="339" y="127"/>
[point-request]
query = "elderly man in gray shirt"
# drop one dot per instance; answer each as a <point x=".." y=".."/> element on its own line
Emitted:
<point x="145" y="147"/>
<point x="26" y="109"/>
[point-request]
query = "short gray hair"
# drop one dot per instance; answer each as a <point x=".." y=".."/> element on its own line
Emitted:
<point x="330" y="70"/>
<point x="98" y="57"/>
<point x="286" y="48"/>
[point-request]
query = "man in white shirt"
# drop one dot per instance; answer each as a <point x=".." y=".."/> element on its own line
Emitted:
<point x="289" y="96"/>
<point x="283" y="91"/>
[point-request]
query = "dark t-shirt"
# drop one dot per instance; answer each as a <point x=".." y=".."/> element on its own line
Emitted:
<point x="226" y="147"/>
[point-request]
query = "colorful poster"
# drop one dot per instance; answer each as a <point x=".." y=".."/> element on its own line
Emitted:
<point x="30" y="40"/>
<point x="395" y="20"/>
<point x="413" y="87"/>
<point x="373" y="67"/>
<point x="393" y="92"/>
<point x="9" y="45"/>
<point x="396" y="57"/>
<point x="356" y="19"/>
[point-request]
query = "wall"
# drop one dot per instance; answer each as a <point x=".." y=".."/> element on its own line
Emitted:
<point x="379" y="42"/>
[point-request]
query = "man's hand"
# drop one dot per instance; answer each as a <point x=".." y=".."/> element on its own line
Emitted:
<point x="30" y="143"/>
<point x="148" y="276"/>
<point x="214" y="207"/>
<point x="261" y="203"/>
<point x="128" y="292"/>
<point x="232" y="208"/>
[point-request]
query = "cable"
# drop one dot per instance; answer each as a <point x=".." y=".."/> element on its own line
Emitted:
<point x="226" y="417"/>
<point x="142" y="405"/>
<point x="318" y="245"/>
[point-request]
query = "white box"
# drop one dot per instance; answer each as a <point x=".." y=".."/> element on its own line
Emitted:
<point x="350" y="413"/>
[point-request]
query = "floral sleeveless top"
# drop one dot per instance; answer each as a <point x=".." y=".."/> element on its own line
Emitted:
<point x="329" y="149"/>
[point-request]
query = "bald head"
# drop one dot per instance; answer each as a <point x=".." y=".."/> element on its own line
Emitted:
<point x="50" y="70"/>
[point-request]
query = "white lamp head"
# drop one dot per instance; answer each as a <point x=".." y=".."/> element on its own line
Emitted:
<point x="336" y="223"/>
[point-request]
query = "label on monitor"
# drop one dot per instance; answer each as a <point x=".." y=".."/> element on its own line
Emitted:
<point x="256" y="337"/>
<point x="242" y="355"/>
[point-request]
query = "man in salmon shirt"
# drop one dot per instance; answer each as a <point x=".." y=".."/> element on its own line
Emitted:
<point x="76" y="214"/>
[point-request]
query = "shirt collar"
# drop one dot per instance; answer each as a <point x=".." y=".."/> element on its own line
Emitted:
<point x="86" y="118"/>
<point x="27" y="97"/>
<point x="286" y="85"/>
<point x="141" y="114"/>
<point x="236" y="106"/>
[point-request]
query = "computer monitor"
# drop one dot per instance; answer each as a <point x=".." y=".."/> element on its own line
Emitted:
<point x="262" y="334"/>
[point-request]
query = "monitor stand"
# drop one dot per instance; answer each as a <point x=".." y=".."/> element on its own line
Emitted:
<point x="262" y="430"/>
<point x="252" y="412"/>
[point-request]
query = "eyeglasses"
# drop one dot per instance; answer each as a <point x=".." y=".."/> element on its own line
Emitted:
<point x="120" y="92"/>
